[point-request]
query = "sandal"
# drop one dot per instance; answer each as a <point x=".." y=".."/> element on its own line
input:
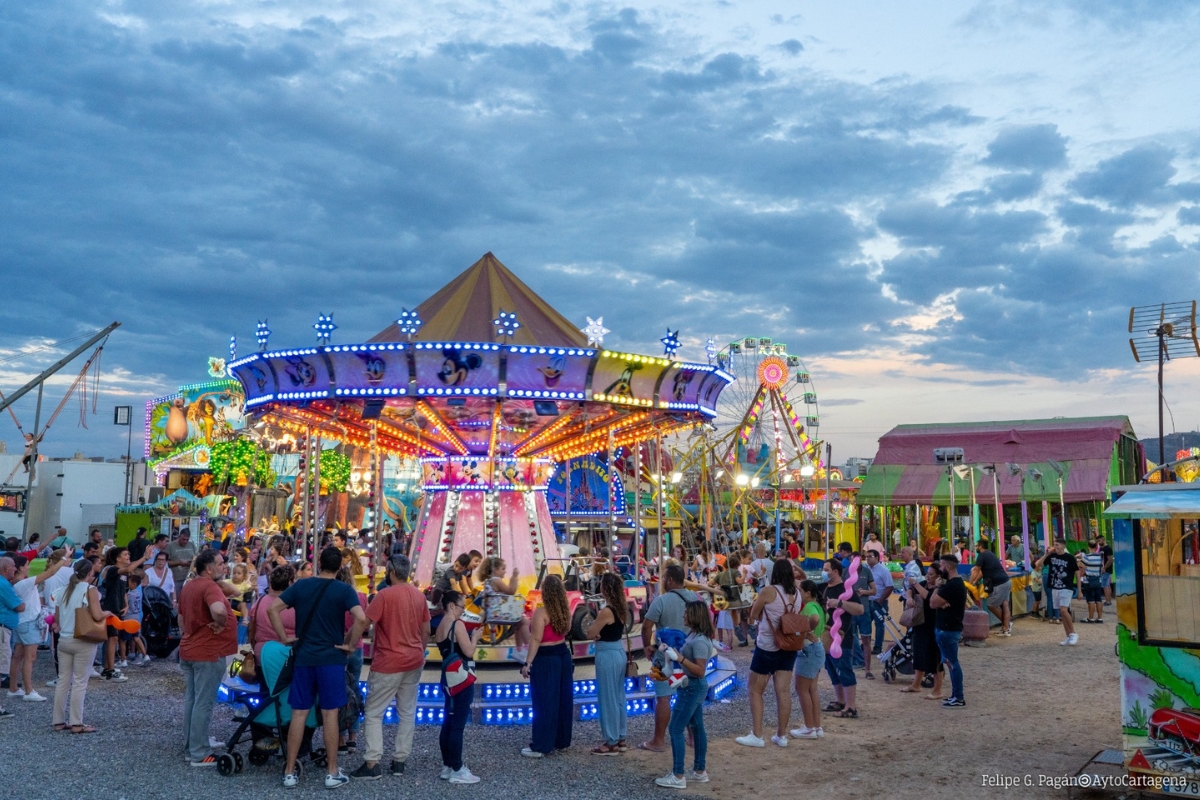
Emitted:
<point x="623" y="746"/>
<point x="849" y="713"/>
<point x="606" y="750"/>
<point x="869" y="676"/>
<point x="82" y="729"/>
<point x="933" y="697"/>
<point x="835" y="706"/>
<point x="61" y="726"/>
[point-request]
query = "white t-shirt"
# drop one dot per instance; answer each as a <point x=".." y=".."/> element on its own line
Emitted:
<point x="761" y="569"/>
<point x="27" y="590"/>
<point x="166" y="582"/>
<point x="66" y="612"/>
<point x="55" y="582"/>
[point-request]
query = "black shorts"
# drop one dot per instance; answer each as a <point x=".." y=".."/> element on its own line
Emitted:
<point x="1093" y="594"/>
<point x="768" y="662"/>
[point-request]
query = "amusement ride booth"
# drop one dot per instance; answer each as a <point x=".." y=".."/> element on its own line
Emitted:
<point x="493" y="391"/>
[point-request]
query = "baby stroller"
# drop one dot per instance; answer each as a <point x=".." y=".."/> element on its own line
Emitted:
<point x="266" y="726"/>
<point x="898" y="657"/>
<point x="160" y="627"/>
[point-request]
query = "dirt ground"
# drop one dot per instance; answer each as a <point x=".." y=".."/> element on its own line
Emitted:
<point x="1034" y="709"/>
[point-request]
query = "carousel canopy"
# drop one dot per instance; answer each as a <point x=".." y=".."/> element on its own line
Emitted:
<point x="464" y="310"/>
<point x="472" y="385"/>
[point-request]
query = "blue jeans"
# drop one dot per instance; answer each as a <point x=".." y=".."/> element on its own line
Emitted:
<point x="877" y="610"/>
<point x="354" y="665"/>
<point x="688" y="712"/>
<point x="457" y="712"/>
<point x="947" y="642"/>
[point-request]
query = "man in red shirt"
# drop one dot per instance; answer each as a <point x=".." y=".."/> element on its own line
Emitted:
<point x="209" y="635"/>
<point x="401" y="618"/>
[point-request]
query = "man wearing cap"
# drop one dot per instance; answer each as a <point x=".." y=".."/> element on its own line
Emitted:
<point x="401" y="618"/>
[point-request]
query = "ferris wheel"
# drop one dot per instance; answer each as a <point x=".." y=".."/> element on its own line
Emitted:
<point x="768" y="418"/>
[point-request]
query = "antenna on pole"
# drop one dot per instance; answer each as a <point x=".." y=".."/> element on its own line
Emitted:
<point x="1167" y="330"/>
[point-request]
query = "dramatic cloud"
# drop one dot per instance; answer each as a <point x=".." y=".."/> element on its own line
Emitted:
<point x="191" y="169"/>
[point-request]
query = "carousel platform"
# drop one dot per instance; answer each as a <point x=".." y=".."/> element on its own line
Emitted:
<point x="502" y="695"/>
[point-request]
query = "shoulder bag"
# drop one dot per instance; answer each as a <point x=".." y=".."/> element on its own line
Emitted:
<point x="289" y="666"/>
<point x="457" y="672"/>
<point x="87" y="629"/>
<point x="913" y="613"/>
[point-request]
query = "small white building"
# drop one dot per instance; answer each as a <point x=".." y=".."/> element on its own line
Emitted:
<point x="76" y="493"/>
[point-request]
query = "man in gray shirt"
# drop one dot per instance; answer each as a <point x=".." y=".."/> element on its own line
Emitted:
<point x="180" y="554"/>
<point x="666" y="611"/>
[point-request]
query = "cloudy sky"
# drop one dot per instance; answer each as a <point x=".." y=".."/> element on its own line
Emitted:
<point x="946" y="209"/>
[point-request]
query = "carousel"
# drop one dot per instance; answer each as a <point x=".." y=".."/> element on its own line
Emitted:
<point x="492" y="390"/>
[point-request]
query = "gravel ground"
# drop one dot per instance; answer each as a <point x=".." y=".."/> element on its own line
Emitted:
<point x="1034" y="708"/>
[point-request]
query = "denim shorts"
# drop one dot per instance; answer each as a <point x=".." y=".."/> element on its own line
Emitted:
<point x="326" y="682"/>
<point x="810" y="660"/>
<point x="862" y="623"/>
<point x="663" y="689"/>
<point x="1105" y="580"/>
<point x="28" y="633"/>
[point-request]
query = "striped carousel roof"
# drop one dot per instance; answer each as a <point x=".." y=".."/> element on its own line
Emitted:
<point x="464" y="309"/>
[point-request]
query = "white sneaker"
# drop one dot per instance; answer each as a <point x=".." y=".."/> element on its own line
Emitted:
<point x="336" y="781"/>
<point x="17" y="693"/>
<point x="749" y="740"/>
<point x="34" y="697"/>
<point x="1073" y="638"/>
<point x="806" y="733"/>
<point x="463" y="776"/>
<point x="1065" y="642"/>
<point x="531" y="753"/>
<point x="780" y="740"/>
<point x="121" y="663"/>
<point x="671" y="782"/>
<point x="53" y="682"/>
<point x="291" y="780"/>
<point x="95" y="673"/>
<point x="446" y="773"/>
<point x="696" y="777"/>
<point x="216" y="743"/>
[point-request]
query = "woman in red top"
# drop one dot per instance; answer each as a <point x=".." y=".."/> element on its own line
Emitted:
<point x="551" y="671"/>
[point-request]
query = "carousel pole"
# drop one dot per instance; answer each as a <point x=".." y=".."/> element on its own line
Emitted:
<point x="637" y="510"/>
<point x="612" y="501"/>
<point x="33" y="457"/>
<point x="659" y="496"/>
<point x="315" y="500"/>
<point x="567" y="498"/>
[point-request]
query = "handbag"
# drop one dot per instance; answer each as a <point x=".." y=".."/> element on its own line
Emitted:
<point x="913" y="614"/>
<point x="457" y="672"/>
<point x="284" y="678"/>
<point x="87" y="629"/>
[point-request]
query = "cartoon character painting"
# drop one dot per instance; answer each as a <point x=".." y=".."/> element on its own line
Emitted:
<point x="679" y="387"/>
<point x="301" y="372"/>
<point x="457" y="366"/>
<point x="553" y="371"/>
<point x="623" y="386"/>
<point x="374" y="367"/>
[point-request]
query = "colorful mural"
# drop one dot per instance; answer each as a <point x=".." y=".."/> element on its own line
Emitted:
<point x="198" y="415"/>
<point x="1159" y="648"/>
<point x="589" y="488"/>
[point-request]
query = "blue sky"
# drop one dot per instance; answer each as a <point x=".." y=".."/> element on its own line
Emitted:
<point x="946" y="209"/>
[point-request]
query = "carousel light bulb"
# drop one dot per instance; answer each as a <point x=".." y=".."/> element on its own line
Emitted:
<point x="754" y="482"/>
<point x="742" y="480"/>
<point x="676" y="477"/>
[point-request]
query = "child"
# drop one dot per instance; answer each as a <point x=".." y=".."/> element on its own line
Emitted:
<point x="241" y="602"/>
<point x="1035" y="586"/>
<point x="133" y="601"/>
<point x="688" y="711"/>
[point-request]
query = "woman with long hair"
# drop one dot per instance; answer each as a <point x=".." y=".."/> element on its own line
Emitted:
<point x="927" y="659"/>
<point x="704" y="563"/>
<point x="75" y="656"/>
<point x="688" y="711"/>
<point x="608" y="632"/>
<point x="453" y="637"/>
<point x="809" y="662"/>
<point x="492" y="581"/>
<point x="550" y="670"/>
<point x="769" y="662"/>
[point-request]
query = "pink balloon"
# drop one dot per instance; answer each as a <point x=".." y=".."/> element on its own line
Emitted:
<point x="835" y="649"/>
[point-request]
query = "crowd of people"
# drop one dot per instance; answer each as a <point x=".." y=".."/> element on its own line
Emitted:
<point x="300" y="636"/>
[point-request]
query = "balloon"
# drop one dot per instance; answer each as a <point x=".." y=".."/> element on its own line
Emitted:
<point x="835" y="649"/>
<point x="126" y="625"/>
